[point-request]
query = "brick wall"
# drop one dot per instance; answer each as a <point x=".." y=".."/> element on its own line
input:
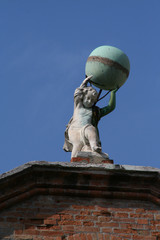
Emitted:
<point x="72" y="218"/>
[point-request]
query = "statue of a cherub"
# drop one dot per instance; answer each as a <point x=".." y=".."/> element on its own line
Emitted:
<point x="81" y="132"/>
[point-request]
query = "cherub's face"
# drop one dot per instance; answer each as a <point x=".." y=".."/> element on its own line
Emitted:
<point x="90" y="97"/>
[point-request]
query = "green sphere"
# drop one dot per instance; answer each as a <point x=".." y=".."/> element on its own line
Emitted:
<point x="109" y="66"/>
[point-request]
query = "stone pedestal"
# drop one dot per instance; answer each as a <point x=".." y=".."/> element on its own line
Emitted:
<point x="92" y="157"/>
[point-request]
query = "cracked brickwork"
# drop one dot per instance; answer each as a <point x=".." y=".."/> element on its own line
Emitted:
<point x="57" y="218"/>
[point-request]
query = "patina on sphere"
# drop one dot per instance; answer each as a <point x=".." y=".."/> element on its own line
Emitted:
<point x="109" y="66"/>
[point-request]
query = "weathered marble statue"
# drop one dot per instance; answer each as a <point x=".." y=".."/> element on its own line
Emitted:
<point x="82" y="133"/>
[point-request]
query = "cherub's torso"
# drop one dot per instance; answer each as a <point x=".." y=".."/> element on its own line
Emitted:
<point x="81" y="117"/>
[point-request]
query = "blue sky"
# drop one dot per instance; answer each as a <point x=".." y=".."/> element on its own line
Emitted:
<point x="44" y="47"/>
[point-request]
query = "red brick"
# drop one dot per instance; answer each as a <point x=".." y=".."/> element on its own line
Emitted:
<point x="83" y="207"/>
<point x="80" y="159"/>
<point x="121" y="215"/>
<point x="99" y="213"/>
<point x="127" y="210"/>
<point x="91" y="218"/>
<point x="53" y="217"/>
<point x="118" y="231"/>
<point x="157" y="222"/>
<point x="18" y="232"/>
<point x="68" y="228"/>
<point x="51" y="233"/>
<point x="30" y="226"/>
<point x="70" y="223"/>
<point x="106" y="230"/>
<point x="48" y="221"/>
<point x="69" y="211"/>
<point x="106" y="237"/>
<point x="157" y="216"/>
<point x="88" y="223"/>
<point x="87" y="229"/>
<point x="90" y="236"/>
<point x="142" y="221"/>
<point x="49" y="227"/>
<point x="129" y="225"/>
<point x="67" y="217"/>
<point x="136" y="237"/>
<point x="70" y="238"/>
<point x="107" y="224"/>
<point x="124" y="220"/>
<point x="156" y="234"/>
<point x="57" y="238"/>
<point x="30" y="232"/>
<point x="82" y="236"/>
<point x="85" y="213"/>
<point x="104" y="219"/>
<point x="115" y="238"/>
<point x="140" y="210"/>
<point x="100" y="236"/>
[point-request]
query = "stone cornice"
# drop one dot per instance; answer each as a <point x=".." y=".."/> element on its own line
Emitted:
<point x="80" y="180"/>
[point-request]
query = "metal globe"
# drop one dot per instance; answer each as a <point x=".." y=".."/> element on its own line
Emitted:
<point x="109" y="66"/>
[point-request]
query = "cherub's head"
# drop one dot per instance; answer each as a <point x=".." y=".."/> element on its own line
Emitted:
<point x="90" y="96"/>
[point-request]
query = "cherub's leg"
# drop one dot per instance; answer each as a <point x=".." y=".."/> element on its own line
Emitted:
<point x="76" y="148"/>
<point x="92" y="136"/>
<point x="75" y="139"/>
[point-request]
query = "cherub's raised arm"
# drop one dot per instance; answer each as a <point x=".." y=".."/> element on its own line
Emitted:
<point x="111" y="106"/>
<point x="78" y="94"/>
<point x="85" y="81"/>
